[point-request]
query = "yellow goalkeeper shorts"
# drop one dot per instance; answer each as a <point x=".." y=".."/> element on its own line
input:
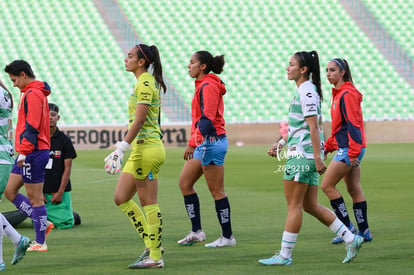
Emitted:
<point x="145" y="159"/>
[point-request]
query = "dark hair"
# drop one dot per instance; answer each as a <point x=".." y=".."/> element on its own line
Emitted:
<point x="311" y="61"/>
<point x="53" y="107"/>
<point x="214" y="64"/>
<point x="151" y="55"/>
<point x="343" y="66"/>
<point x="18" y="66"/>
<point x="7" y="90"/>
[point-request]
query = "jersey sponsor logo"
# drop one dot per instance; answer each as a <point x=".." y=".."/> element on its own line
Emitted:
<point x="310" y="107"/>
<point x="309" y="95"/>
<point x="146" y="83"/>
<point x="56" y="153"/>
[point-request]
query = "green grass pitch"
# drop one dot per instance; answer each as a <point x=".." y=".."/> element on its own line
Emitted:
<point x="106" y="242"/>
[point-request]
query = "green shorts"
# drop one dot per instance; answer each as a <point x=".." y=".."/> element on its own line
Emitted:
<point x="145" y="160"/>
<point x="60" y="214"/>
<point x="5" y="170"/>
<point x="301" y="170"/>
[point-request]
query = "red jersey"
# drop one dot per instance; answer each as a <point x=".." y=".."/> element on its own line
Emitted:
<point x="207" y="109"/>
<point x="32" y="128"/>
<point x="347" y="122"/>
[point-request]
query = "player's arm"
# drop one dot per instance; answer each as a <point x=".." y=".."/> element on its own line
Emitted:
<point x="312" y="122"/>
<point x="57" y="197"/>
<point x="113" y="162"/>
<point x="140" y="116"/>
<point x="351" y="111"/>
<point x="34" y="106"/>
<point x="209" y="100"/>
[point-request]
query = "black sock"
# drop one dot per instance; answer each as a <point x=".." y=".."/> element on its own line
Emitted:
<point x="192" y="205"/>
<point x="223" y="215"/>
<point x="360" y="212"/>
<point x="339" y="207"/>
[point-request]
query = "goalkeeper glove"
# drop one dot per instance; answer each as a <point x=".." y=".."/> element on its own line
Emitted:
<point x="113" y="162"/>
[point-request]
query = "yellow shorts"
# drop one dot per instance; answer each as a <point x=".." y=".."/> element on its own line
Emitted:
<point x="145" y="160"/>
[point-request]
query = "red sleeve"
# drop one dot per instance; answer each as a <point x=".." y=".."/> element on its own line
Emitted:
<point x="330" y="144"/>
<point x="33" y="110"/>
<point x="211" y="98"/>
<point x="192" y="140"/>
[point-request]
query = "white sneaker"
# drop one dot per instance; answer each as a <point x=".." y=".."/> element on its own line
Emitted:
<point x="193" y="237"/>
<point x="37" y="247"/>
<point x="147" y="262"/>
<point x="222" y="242"/>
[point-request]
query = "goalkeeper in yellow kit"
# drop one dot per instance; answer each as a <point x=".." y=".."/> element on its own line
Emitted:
<point x="140" y="173"/>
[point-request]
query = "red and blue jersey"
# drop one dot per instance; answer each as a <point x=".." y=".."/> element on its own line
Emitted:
<point x="32" y="129"/>
<point x="207" y="108"/>
<point x="347" y="121"/>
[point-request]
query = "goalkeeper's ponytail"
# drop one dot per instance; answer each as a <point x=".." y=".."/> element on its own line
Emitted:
<point x="151" y="55"/>
<point x="158" y="68"/>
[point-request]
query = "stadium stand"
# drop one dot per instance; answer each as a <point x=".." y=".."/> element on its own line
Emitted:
<point x="257" y="38"/>
<point x="395" y="16"/>
<point x="72" y="48"/>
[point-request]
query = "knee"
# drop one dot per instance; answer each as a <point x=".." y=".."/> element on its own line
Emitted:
<point x="218" y="194"/>
<point x="9" y="194"/>
<point x="354" y="191"/>
<point x="310" y="208"/>
<point x="118" y="201"/>
<point x="186" y="187"/>
<point x="326" y="187"/>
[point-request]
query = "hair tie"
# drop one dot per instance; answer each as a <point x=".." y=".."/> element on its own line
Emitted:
<point x="140" y="49"/>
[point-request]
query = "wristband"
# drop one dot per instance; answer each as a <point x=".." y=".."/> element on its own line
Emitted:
<point x="122" y="146"/>
<point x="282" y="142"/>
<point x="21" y="157"/>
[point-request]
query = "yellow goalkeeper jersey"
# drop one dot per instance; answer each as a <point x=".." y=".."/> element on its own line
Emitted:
<point x="146" y="91"/>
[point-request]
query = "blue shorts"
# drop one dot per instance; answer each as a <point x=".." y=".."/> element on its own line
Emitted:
<point x="342" y="155"/>
<point x="212" y="151"/>
<point x="34" y="171"/>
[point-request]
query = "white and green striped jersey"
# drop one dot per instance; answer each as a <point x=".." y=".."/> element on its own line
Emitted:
<point x="6" y="149"/>
<point x="306" y="103"/>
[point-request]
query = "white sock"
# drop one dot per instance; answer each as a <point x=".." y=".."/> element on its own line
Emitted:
<point x="288" y="243"/>
<point x="9" y="231"/>
<point x="341" y="231"/>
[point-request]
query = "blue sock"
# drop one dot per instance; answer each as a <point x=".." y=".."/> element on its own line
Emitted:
<point x="192" y="205"/>
<point x="339" y="207"/>
<point x="360" y="212"/>
<point x="223" y="215"/>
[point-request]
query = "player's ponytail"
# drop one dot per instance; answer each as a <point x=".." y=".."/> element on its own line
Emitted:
<point x="311" y="61"/>
<point x="158" y="68"/>
<point x="151" y="55"/>
<point x="316" y="74"/>
<point x="214" y="64"/>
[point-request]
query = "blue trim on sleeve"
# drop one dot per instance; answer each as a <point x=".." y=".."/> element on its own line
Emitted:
<point x="205" y="125"/>
<point x="353" y="131"/>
